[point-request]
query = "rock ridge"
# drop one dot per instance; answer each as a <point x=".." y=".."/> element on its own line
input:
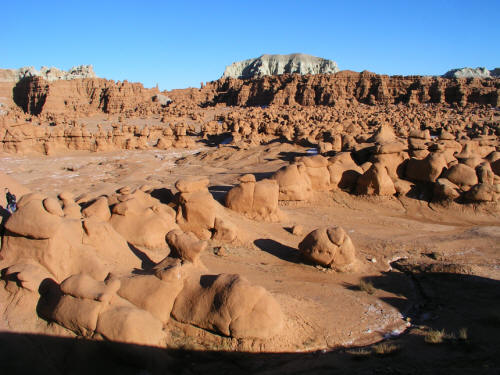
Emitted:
<point x="479" y="72"/>
<point x="280" y="64"/>
<point x="48" y="73"/>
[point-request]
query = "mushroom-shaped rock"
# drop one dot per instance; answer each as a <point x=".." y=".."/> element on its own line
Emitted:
<point x="224" y="231"/>
<point x="330" y="247"/>
<point x="228" y="304"/>
<point x="294" y="184"/>
<point x="428" y="169"/>
<point x="63" y="246"/>
<point x="70" y="208"/>
<point x="197" y="208"/>
<point x="186" y="245"/>
<point x="462" y="175"/>
<point x="190" y="185"/>
<point x="316" y="170"/>
<point x="257" y="200"/>
<point x="375" y="181"/>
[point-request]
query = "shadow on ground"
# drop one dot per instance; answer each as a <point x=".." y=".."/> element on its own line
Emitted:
<point x="279" y="250"/>
<point x="444" y="301"/>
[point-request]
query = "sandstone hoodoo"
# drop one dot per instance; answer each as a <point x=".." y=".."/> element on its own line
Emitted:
<point x="266" y="65"/>
<point x="330" y="247"/>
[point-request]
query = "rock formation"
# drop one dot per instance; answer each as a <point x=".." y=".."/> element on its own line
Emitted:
<point x="471" y="73"/>
<point x="257" y="200"/>
<point x="330" y="247"/>
<point x="36" y="95"/>
<point x="49" y="74"/>
<point x="81" y="263"/>
<point x="280" y="64"/>
<point x="347" y="86"/>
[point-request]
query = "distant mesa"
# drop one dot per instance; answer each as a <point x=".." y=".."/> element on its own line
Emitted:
<point x="479" y="72"/>
<point x="50" y="74"/>
<point x="280" y="64"/>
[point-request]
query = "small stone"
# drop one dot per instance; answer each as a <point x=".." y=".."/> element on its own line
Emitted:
<point x="220" y="251"/>
<point x="298" y="230"/>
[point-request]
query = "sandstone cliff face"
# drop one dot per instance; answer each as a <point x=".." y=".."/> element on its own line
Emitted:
<point x="36" y="95"/>
<point x="345" y="86"/>
<point x="280" y="64"/>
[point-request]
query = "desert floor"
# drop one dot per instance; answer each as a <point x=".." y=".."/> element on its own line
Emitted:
<point x="423" y="268"/>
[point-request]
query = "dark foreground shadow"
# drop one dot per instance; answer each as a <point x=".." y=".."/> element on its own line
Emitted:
<point x="42" y="354"/>
<point x="453" y="300"/>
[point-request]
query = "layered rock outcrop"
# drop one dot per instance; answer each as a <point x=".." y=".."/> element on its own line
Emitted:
<point x="471" y="73"/>
<point x="280" y="64"/>
<point x="48" y="140"/>
<point x="346" y="86"/>
<point x="49" y="74"/>
<point x="36" y="95"/>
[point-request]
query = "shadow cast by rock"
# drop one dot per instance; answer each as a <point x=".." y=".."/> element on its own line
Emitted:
<point x="279" y="250"/>
<point x="147" y="264"/>
<point x="219" y="192"/>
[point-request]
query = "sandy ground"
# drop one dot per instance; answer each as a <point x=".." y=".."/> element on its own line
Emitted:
<point x="325" y="310"/>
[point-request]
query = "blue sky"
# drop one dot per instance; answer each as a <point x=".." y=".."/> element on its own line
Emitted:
<point x="178" y="44"/>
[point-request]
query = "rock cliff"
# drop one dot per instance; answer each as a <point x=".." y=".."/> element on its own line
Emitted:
<point x="347" y="86"/>
<point x="280" y="64"/>
<point x="36" y="95"/>
<point x="472" y="73"/>
<point x="49" y="74"/>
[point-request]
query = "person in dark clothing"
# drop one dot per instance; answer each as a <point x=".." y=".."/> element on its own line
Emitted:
<point x="11" y="201"/>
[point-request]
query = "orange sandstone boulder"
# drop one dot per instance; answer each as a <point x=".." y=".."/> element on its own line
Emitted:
<point x="186" y="245"/>
<point x="426" y="170"/>
<point x="375" y="181"/>
<point x="230" y="305"/>
<point x="257" y="200"/>
<point x="330" y="247"/>
<point x="294" y="183"/>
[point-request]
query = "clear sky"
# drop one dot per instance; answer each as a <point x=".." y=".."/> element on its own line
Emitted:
<point x="180" y="43"/>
